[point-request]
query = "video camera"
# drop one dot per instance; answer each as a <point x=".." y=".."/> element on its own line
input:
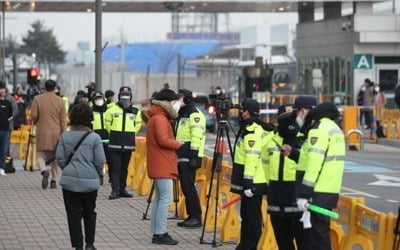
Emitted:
<point x="222" y="106"/>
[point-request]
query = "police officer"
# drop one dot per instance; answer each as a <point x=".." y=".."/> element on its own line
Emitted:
<point x="109" y="95"/>
<point x="123" y="121"/>
<point x="281" y="178"/>
<point x="248" y="174"/>
<point x="322" y="166"/>
<point x="190" y="128"/>
<point x="99" y="122"/>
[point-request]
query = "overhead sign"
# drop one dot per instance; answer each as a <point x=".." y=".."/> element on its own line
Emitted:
<point x="386" y="181"/>
<point x="363" y="61"/>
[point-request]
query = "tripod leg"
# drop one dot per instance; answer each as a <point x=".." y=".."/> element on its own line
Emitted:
<point x="149" y="199"/>
<point x="175" y="193"/>
<point x="27" y="152"/>
<point x="176" y="198"/>
<point x="214" y="164"/>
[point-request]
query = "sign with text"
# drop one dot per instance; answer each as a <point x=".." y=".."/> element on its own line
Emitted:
<point x="363" y="61"/>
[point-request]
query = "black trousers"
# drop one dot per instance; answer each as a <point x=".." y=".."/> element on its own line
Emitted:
<point x="108" y="158"/>
<point x="251" y="227"/>
<point x="187" y="176"/>
<point x="318" y="236"/>
<point x="368" y="118"/>
<point x="78" y="206"/>
<point x="287" y="229"/>
<point x="119" y="169"/>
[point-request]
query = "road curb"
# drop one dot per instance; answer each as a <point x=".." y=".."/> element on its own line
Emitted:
<point x="389" y="142"/>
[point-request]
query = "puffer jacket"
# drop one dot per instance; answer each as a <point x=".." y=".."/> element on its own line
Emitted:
<point x="83" y="172"/>
<point x="162" y="159"/>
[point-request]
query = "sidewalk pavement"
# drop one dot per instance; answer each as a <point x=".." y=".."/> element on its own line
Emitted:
<point x="33" y="218"/>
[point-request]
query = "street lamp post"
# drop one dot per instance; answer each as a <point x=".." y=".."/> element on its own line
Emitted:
<point x="98" y="47"/>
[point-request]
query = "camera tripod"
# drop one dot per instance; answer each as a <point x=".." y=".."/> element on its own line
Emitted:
<point x="223" y="130"/>
<point x="176" y="200"/>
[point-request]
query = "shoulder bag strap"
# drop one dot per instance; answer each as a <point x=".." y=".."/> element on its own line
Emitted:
<point x="76" y="147"/>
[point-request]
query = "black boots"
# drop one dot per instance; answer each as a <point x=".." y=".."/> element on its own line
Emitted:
<point x="190" y="223"/>
<point x="45" y="180"/>
<point x="163" y="239"/>
<point x="114" y="195"/>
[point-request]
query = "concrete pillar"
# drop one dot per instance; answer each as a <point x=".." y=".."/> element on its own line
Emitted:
<point x="306" y="12"/>
<point x="362" y="7"/>
<point x="332" y="10"/>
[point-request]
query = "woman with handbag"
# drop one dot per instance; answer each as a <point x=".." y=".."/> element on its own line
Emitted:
<point x="81" y="157"/>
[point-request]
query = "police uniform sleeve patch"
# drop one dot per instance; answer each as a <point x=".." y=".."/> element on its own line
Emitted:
<point x="197" y="119"/>
<point x="251" y="143"/>
<point x="313" y="140"/>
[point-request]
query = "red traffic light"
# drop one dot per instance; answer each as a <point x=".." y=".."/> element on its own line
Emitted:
<point x="34" y="73"/>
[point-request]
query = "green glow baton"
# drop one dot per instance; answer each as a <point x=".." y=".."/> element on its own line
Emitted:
<point x="323" y="211"/>
<point x="105" y="141"/>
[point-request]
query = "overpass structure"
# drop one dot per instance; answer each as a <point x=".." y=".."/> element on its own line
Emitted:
<point x="363" y="43"/>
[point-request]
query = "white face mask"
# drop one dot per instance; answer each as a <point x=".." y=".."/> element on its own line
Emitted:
<point x="99" y="102"/>
<point x="177" y="106"/>
<point x="218" y="91"/>
<point x="124" y="97"/>
<point x="299" y="121"/>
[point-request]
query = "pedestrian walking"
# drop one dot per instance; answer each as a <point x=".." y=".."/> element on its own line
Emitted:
<point x="162" y="160"/>
<point x="123" y="121"/>
<point x="190" y="128"/>
<point x="81" y="157"/>
<point x="366" y="98"/>
<point x="6" y="114"/>
<point x="49" y="115"/>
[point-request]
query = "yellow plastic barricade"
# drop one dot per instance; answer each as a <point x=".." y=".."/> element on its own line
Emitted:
<point x="231" y="225"/>
<point x="223" y="195"/>
<point x="267" y="240"/>
<point x="350" y="126"/>
<point x="139" y="164"/>
<point x="368" y="230"/>
<point x="346" y="209"/>
<point x="391" y="226"/>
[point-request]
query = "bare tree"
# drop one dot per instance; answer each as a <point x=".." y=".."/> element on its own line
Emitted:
<point x="166" y="55"/>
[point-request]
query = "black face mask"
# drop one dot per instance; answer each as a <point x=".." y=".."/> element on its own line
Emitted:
<point x="287" y="125"/>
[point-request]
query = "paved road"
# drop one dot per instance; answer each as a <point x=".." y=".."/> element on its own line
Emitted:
<point x="373" y="173"/>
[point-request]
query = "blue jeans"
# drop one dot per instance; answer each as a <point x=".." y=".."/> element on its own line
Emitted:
<point x="4" y="143"/>
<point x="162" y="200"/>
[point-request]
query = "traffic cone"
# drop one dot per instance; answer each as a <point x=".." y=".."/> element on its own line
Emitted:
<point x="221" y="147"/>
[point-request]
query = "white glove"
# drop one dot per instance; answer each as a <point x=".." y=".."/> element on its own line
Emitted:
<point x="248" y="193"/>
<point x="302" y="204"/>
<point x="306" y="219"/>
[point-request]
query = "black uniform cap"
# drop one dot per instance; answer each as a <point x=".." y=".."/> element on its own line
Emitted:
<point x="307" y="102"/>
<point x="250" y="105"/>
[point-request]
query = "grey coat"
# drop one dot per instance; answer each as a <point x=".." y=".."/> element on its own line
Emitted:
<point x="83" y="172"/>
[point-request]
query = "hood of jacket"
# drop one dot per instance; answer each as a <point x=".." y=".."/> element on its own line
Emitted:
<point x="162" y="107"/>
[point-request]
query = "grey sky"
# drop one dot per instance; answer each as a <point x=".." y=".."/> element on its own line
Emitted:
<point x="70" y="28"/>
